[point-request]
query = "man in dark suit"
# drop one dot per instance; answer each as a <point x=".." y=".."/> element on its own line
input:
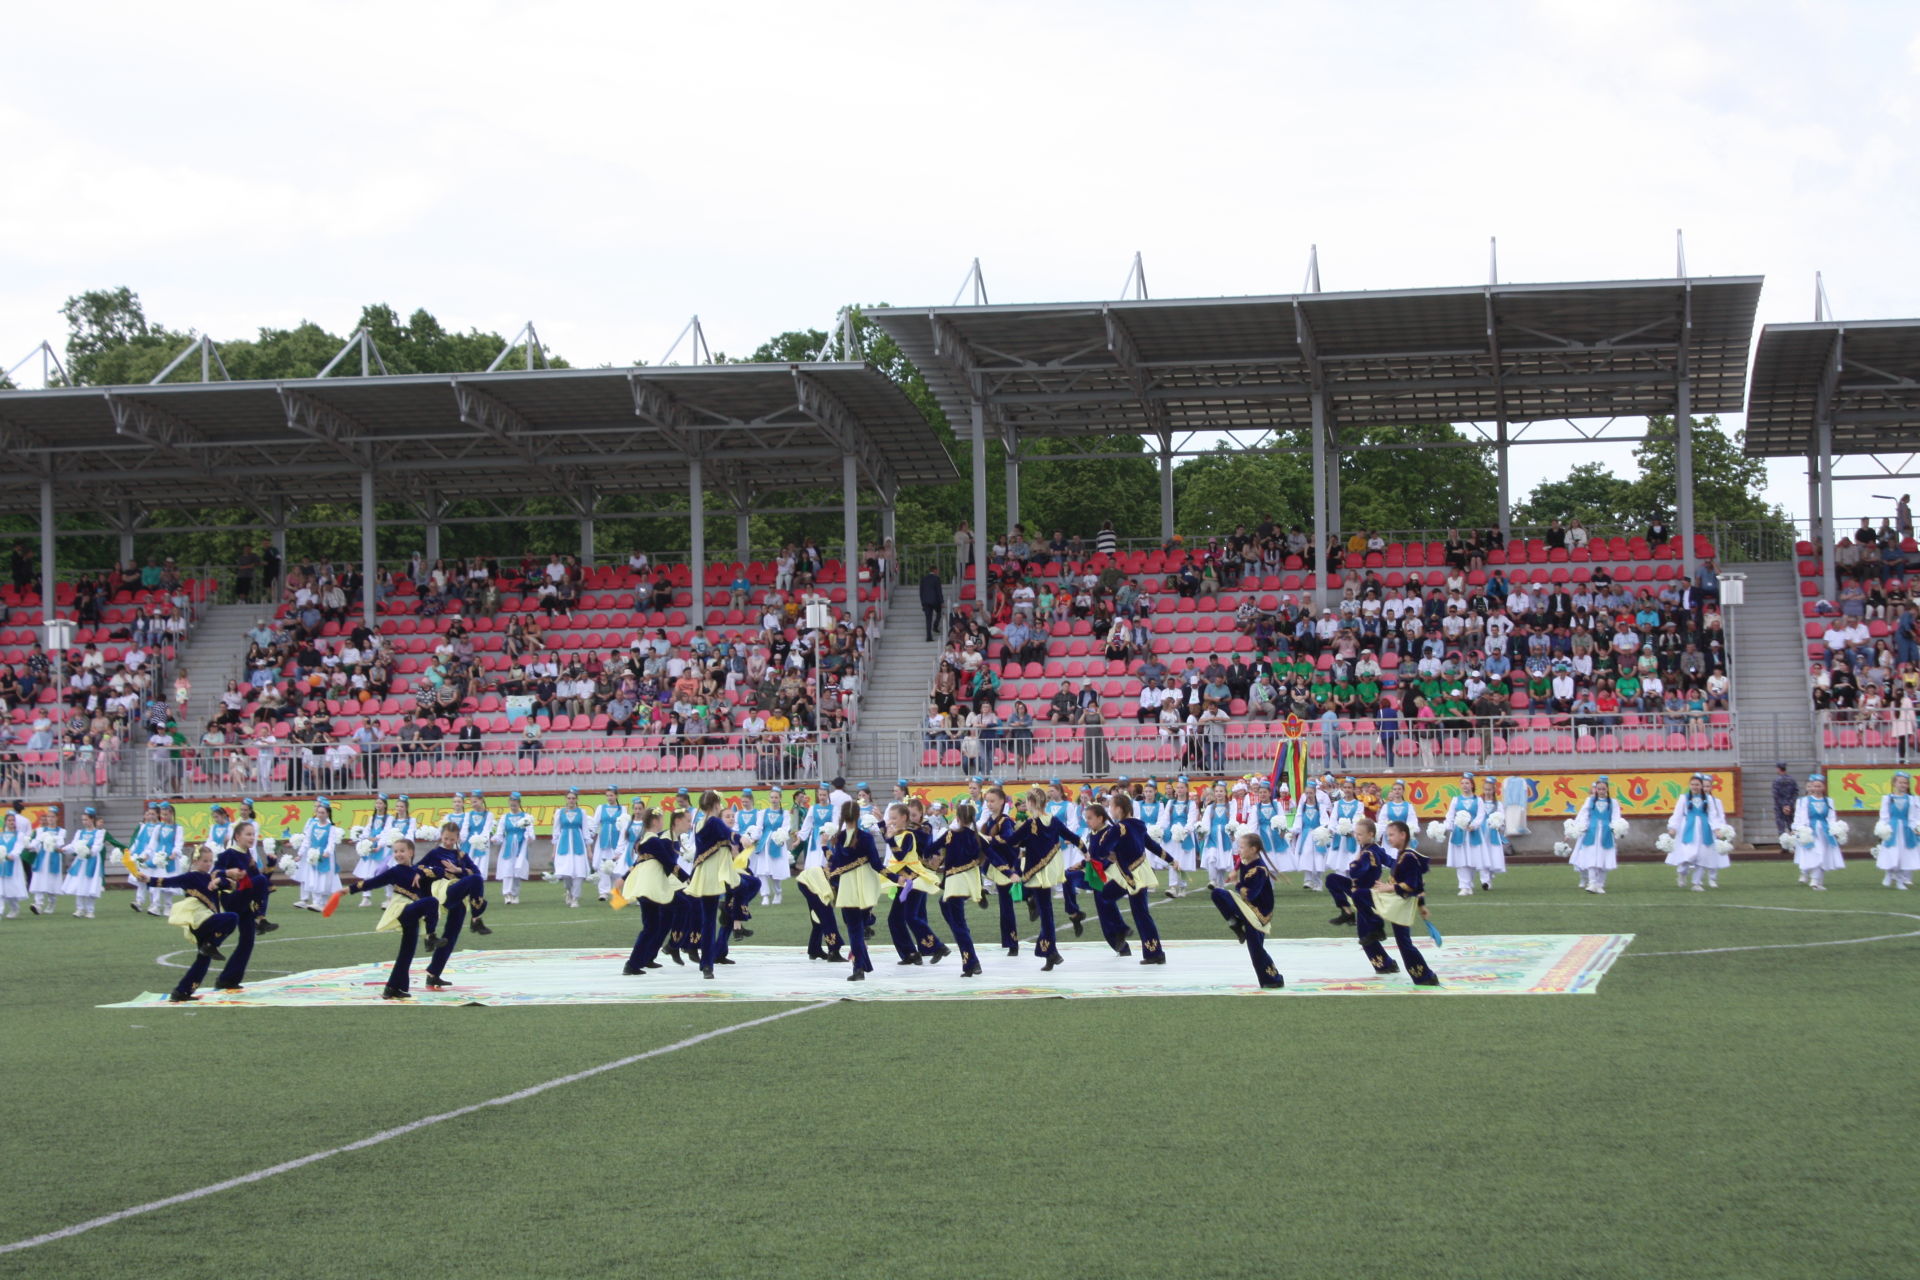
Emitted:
<point x="933" y="601"/>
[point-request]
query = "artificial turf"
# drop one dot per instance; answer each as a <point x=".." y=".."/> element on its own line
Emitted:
<point x="1736" y="1114"/>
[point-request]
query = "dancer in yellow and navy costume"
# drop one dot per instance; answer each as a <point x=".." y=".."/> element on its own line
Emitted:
<point x="654" y="885"/>
<point x="455" y="879"/>
<point x="712" y="879"/>
<point x="913" y="937"/>
<point x="958" y="856"/>
<point x="854" y="865"/>
<point x="1247" y="903"/>
<point x="1389" y="889"/>
<point x="1040" y="837"/>
<point x="197" y="912"/>
<point x="411" y="903"/>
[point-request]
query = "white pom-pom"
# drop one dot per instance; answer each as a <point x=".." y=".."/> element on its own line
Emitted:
<point x="1838" y="830"/>
<point x="1794" y="837"/>
<point x="358" y="833"/>
<point x="1883" y="830"/>
<point x="1344" y="826"/>
<point x="1436" y="830"/>
<point x="1462" y="819"/>
<point x="268" y="844"/>
<point x="363" y="847"/>
<point x="1561" y="849"/>
<point x="1619" y="827"/>
<point x="1723" y="832"/>
<point x="1323" y="836"/>
<point x="1498" y="826"/>
<point x="1665" y="843"/>
<point x="1244" y="829"/>
<point x="1723" y="847"/>
<point x="1573" y="829"/>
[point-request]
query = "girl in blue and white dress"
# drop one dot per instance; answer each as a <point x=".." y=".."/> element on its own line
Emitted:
<point x="1898" y="853"/>
<point x="49" y="871"/>
<point x="1184" y="814"/>
<point x="1346" y="811"/>
<point x="375" y="852"/>
<point x="772" y="858"/>
<point x="1397" y="808"/>
<point x="137" y="852"/>
<point x="1817" y="833"/>
<point x="319" y="843"/>
<point x="1217" y="836"/>
<point x="1692" y="837"/>
<point x="167" y="853"/>
<point x="1311" y="838"/>
<point x="478" y="835"/>
<point x="1267" y="818"/>
<point x="1595" y="833"/>
<point x="1459" y="829"/>
<point x="516" y="838"/>
<point x="219" y="829"/>
<point x="86" y="864"/>
<point x="570" y="833"/>
<point x="818" y="826"/>
<point x="13" y="870"/>
<point x="1492" y="828"/>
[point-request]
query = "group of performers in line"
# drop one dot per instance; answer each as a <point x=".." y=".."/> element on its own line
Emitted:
<point x="695" y="871"/>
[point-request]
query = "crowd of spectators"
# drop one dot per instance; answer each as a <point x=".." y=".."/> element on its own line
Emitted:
<point x="1457" y="650"/>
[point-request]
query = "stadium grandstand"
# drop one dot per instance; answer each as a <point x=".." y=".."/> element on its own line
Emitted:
<point x="1199" y="652"/>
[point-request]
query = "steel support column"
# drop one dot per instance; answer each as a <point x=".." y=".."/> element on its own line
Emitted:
<point x="47" y="611"/>
<point x="1829" y="529"/>
<point x="586" y="537"/>
<point x="126" y="531"/>
<point x="1816" y="526"/>
<point x="433" y="529"/>
<point x="1683" y="470"/>
<point x="278" y="529"/>
<point x="889" y="529"/>
<point x="979" y="510"/>
<point x="1013" y="492"/>
<point x="742" y="535"/>
<point x="1501" y="452"/>
<point x="1319" y="402"/>
<point x="1166" y="490"/>
<point x="850" y="529"/>
<point x="369" y="557"/>
<point x="697" y="549"/>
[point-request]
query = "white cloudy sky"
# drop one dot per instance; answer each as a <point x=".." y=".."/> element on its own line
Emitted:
<point x="609" y="169"/>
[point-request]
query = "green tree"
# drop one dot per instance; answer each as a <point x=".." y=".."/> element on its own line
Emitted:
<point x="1412" y="488"/>
<point x="1590" y="493"/>
<point x="1228" y="487"/>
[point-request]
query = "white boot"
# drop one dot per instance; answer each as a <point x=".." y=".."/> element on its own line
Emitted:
<point x="777" y="884"/>
<point x="1817" y="879"/>
<point x="1600" y="880"/>
<point x="1464" y="877"/>
<point x="1699" y="879"/>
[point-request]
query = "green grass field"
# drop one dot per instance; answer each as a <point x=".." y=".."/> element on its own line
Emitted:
<point x="1744" y="1114"/>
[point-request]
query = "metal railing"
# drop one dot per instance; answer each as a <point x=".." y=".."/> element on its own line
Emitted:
<point x="1242" y="746"/>
<point x="1880" y="736"/>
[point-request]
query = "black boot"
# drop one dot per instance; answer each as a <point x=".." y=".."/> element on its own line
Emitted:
<point x="394" y="993"/>
<point x="706" y="971"/>
<point x="265" y="926"/>
<point x="433" y="942"/>
<point x="834" y="957"/>
<point x="1345" y="917"/>
<point x="1053" y="961"/>
<point x="437" y="983"/>
<point x="1274" y="983"/>
<point x="480" y="927"/>
<point x="633" y="970"/>
<point x="180" y="997"/>
<point x="1079" y="919"/>
<point x="857" y="976"/>
<point x="941" y="954"/>
<point x="1121" y="948"/>
<point x="673" y="954"/>
<point x="913" y="959"/>
<point x="1013" y="948"/>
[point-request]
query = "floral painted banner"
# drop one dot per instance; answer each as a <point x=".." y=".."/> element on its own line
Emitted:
<point x="1641" y="793"/>
<point x="1858" y="790"/>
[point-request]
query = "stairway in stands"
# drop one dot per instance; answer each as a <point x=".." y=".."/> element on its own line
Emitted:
<point x="1770" y="690"/>
<point x="213" y="656"/>
<point x="894" y="702"/>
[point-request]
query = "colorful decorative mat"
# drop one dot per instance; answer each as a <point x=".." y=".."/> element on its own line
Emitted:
<point x="1487" y="964"/>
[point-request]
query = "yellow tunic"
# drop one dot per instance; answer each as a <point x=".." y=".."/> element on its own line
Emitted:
<point x="714" y="876"/>
<point x="859" y="887"/>
<point x="815" y="878"/>
<point x="962" y="884"/>
<point x="1253" y="917"/>
<point x="189" y="914"/>
<point x="1141" y="876"/>
<point x="390" y="918"/>
<point x="650" y="880"/>
<point x="1049" y="873"/>
<point x="1394" y="909"/>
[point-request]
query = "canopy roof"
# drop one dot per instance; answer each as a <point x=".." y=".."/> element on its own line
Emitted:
<point x="1865" y="372"/>
<point x="1518" y="352"/>
<point x="571" y="432"/>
